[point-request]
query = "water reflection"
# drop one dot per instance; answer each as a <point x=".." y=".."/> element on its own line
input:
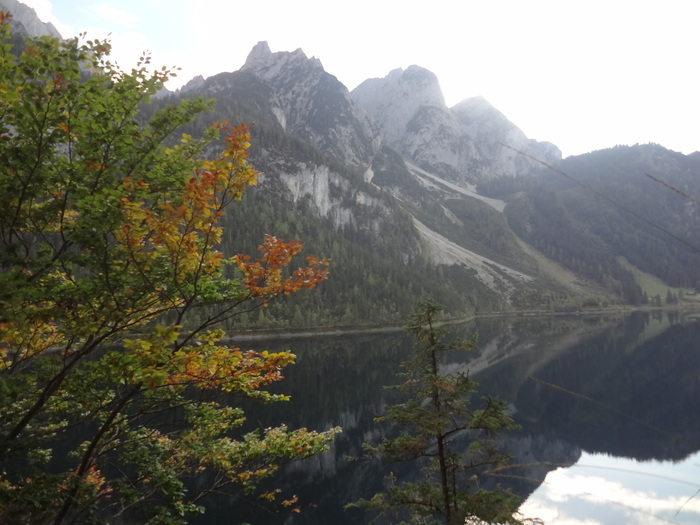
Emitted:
<point x="624" y="387"/>
<point x="626" y="391"/>
<point x="606" y="490"/>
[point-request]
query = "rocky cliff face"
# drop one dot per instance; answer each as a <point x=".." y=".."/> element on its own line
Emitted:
<point x="467" y="143"/>
<point x="405" y="110"/>
<point x="312" y="157"/>
<point x="313" y="104"/>
<point x="392" y="101"/>
<point x="26" y="21"/>
<point x="497" y="137"/>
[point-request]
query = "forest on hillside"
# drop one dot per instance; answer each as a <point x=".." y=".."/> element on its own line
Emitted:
<point x="600" y="212"/>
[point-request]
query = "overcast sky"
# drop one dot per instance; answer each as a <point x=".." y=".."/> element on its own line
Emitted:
<point x="584" y="75"/>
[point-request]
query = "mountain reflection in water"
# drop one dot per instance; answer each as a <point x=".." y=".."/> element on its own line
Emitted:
<point x="609" y="409"/>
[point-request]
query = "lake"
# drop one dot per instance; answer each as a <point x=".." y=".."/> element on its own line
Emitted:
<point x="609" y="409"/>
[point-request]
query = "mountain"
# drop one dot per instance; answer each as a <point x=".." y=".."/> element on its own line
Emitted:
<point x="615" y="214"/>
<point x="470" y="142"/>
<point x="312" y="104"/>
<point x="394" y="230"/>
<point x="25" y="21"/>
<point x="442" y="201"/>
<point x="410" y="198"/>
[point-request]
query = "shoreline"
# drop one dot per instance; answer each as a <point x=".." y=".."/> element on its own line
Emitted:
<point x="357" y="330"/>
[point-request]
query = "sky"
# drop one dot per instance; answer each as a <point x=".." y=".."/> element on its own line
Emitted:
<point x="584" y="75"/>
<point x="605" y="490"/>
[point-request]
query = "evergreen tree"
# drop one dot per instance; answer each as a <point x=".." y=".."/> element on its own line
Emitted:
<point x="455" y="443"/>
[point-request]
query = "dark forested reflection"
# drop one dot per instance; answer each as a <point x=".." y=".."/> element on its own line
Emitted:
<point x="336" y="381"/>
<point x="626" y="391"/>
<point x="625" y="386"/>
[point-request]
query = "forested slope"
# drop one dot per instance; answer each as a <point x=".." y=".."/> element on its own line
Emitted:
<point x="635" y="203"/>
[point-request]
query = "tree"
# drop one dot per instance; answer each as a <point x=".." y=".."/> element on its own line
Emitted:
<point x="115" y="386"/>
<point x="436" y="422"/>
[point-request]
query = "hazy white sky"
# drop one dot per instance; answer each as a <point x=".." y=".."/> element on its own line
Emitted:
<point x="584" y="75"/>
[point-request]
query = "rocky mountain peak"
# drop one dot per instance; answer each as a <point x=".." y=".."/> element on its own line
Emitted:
<point x="269" y="65"/>
<point x="194" y="84"/>
<point x="474" y="105"/>
<point x="258" y="55"/>
<point x="26" y="21"/>
<point x="476" y="116"/>
<point x="425" y="81"/>
<point x="312" y="103"/>
<point x="393" y="100"/>
<point x="463" y="144"/>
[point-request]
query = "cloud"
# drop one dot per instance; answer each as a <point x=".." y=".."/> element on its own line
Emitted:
<point x="561" y="497"/>
<point x="551" y="514"/>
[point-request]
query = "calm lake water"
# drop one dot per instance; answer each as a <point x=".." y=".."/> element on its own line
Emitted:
<point x="609" y="409"/>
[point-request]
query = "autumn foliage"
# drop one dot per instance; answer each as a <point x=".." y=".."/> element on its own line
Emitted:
<point x="263" y="276"/>
<point x="109" y="243"/>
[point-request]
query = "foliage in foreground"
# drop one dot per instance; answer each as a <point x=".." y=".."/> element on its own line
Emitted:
<point x="455" y="443"/>
<point x="110" y="395"/>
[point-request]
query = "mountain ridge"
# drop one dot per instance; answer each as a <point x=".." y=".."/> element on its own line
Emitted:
<point x="411" y="198"/>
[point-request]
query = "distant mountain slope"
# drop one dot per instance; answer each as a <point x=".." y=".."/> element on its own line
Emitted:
<point x="609" y="207"/>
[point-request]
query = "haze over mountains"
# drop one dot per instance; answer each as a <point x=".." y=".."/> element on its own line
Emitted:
<point x="411" y="198"/>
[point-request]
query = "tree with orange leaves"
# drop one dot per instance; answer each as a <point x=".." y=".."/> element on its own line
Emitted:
<point x="108" y="244"/>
